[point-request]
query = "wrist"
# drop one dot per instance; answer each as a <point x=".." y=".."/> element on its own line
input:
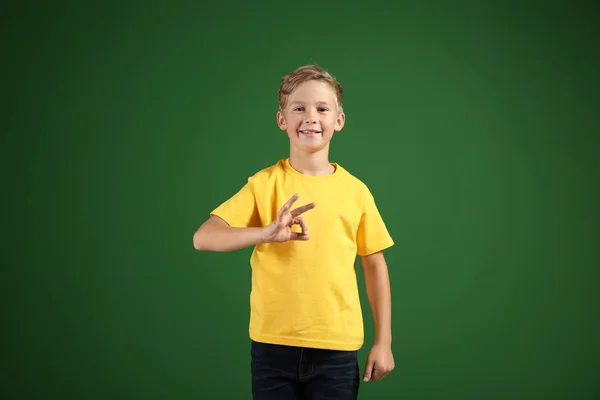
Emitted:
<point x="265" y="234"/>
<point x="383" y="339"/>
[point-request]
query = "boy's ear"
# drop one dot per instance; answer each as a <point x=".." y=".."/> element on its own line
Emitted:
<point x="281" y="121"/>
<point x="339" y="121"/>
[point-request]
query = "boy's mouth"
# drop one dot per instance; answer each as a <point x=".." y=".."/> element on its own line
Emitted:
<point x="309" y="132"/>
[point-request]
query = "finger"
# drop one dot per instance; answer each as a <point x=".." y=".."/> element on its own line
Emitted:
<point x="300" y="221"/>
<point x="380" y="372"/>
<point x="303" y="209"/>
<point x="288" y="204"/>
<point x="377" y="375"/>
<point x="299" y="236"/>
<point x="368" y="371"/>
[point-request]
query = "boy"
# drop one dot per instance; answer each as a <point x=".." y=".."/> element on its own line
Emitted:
<point x="306" y="323"/>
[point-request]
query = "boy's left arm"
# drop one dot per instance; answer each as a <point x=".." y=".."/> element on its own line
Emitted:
<point x="380" y="360"/>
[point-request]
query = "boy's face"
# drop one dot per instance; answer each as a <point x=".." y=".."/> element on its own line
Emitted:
<point x="311" y="116"/>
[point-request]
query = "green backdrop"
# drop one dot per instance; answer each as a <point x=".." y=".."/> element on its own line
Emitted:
<point x="475" y="126"/>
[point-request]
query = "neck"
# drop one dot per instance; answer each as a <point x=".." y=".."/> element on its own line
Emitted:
<point x="312" y="164"/>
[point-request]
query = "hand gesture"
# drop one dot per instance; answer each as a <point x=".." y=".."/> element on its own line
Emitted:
<point x="280" y="230"/>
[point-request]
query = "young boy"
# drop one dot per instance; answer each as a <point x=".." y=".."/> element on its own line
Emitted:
<point x="306" y="323"/>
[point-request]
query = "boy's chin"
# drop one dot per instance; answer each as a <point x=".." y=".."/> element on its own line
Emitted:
<point x="308" y="147"/>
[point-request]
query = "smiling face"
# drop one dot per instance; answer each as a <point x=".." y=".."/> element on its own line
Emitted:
<point x="311" y="116"/>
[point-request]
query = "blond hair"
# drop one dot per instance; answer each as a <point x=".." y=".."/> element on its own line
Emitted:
<point x="291" y="81"/>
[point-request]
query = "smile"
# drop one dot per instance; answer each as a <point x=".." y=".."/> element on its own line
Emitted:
<point x="310" y="132"/>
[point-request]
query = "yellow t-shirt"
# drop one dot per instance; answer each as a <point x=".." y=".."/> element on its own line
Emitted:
<point x="305" y="293"/>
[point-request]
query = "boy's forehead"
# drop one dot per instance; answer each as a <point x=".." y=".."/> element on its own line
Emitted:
<point x="313" y="91"/>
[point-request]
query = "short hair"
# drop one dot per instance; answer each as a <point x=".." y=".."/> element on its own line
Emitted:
<point x="291" y="81"/>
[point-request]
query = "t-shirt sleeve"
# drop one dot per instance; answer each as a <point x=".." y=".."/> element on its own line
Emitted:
<point x="372" y="234"/>
<point x="240" y="210"/>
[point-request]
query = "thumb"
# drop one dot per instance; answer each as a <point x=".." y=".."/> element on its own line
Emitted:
<point x="368" y="370"/>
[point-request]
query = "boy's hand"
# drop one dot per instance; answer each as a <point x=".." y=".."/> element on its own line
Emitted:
<point x="280" y="230"/>
<point x="380" y="362"/>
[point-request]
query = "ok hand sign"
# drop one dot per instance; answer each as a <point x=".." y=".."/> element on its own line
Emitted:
<point x="280" y="230"/>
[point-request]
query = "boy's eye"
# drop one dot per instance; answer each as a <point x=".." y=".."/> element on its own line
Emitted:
<point x="321" y="109"/>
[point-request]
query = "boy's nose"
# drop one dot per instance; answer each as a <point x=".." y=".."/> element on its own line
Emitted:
<point x="311" y="117"/>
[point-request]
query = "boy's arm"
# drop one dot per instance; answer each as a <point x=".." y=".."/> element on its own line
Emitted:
<point x="378" y="291"/>
<point x="216" y="235"/>
<point x="380" y="361"/>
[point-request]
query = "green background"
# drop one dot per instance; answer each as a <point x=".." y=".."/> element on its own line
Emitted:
<point x="475" y="126"/>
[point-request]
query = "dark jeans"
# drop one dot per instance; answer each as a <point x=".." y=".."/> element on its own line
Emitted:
<point x="286" y="372"/>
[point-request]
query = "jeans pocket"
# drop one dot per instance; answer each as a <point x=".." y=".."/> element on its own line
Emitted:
<point x="272" y="357"/>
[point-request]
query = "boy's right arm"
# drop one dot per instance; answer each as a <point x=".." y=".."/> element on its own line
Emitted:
<point x="217" y="235"/>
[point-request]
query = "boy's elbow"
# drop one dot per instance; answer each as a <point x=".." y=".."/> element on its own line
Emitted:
<point x="196" y="242"/>
<point x="205" y="238"/>
<point x="199" y="242"/>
